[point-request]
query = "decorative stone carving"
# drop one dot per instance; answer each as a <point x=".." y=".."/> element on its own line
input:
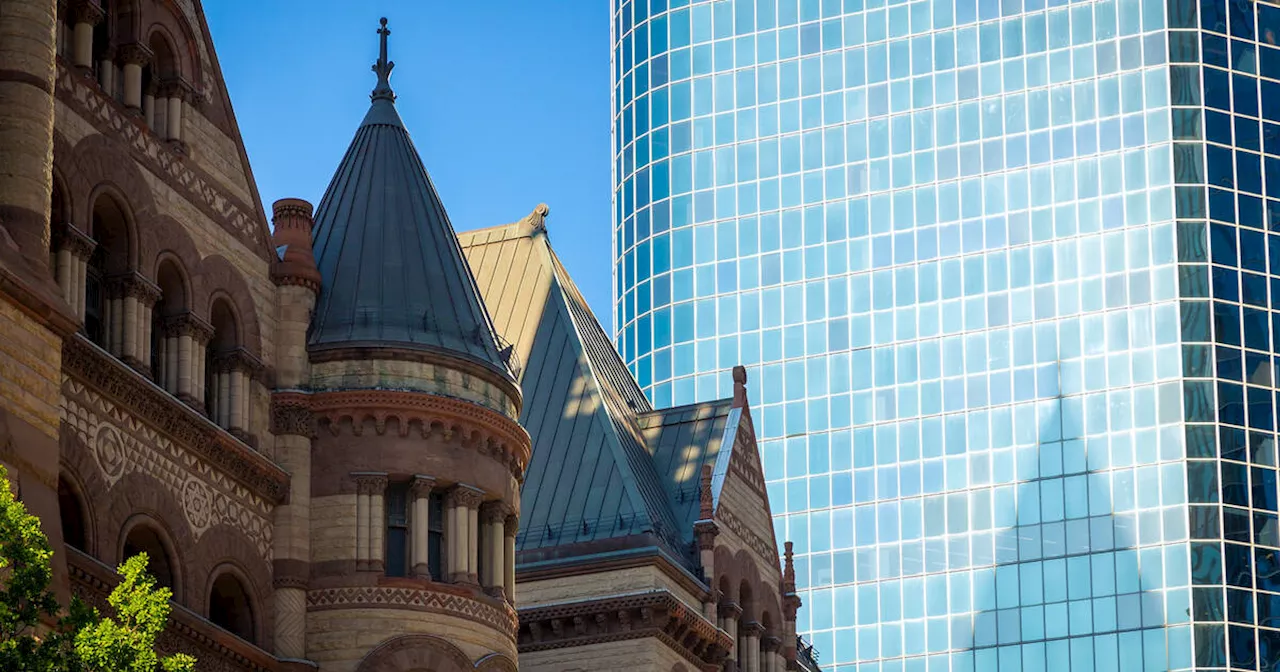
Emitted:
<point x="483" y="430"/>
<point x="88" y="11"/>
<point x="657" y="614"/>
<point x="238" y="218"/>
<point x="123" y="442"/>
<point x="498" y="616"/>
<point x="95" y="379"/>
<point x="135" y="53"/>
<point x="290" y="414"/>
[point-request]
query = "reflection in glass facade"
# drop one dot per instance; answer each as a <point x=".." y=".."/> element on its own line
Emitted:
<point x="1000" y="270"/>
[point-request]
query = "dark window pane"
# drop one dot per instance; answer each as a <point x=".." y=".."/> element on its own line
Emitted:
<point x="1243" y="653"/>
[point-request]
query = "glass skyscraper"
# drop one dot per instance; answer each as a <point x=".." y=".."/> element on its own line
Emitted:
<point x="1000" y="270"/>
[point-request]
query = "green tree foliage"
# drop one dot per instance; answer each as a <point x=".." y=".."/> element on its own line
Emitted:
<point x="35" y="636"/>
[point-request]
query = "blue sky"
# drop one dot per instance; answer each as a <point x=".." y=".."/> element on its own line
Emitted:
<point x="506" y="100"/>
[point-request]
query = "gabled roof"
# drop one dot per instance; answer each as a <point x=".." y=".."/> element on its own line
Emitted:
<point x="392" y="272"/>
<point x="591" y="477"/>
<point x="605" y="464"/>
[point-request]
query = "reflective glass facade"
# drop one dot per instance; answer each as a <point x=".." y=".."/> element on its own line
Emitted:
<point x="1001" y="271"/>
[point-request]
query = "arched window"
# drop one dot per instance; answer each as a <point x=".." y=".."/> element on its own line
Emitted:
<point x="145" y="539"/>
<point x="110" y="230"/>
<point x="161" y="71"/>
<point x="172" y="304"/>
<point x="230" y="607"/>
<point x="226" y="371"/>
<point x="71" y="510"/>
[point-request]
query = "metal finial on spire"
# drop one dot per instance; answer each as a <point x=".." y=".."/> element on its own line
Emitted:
<point x="383" y="66"/>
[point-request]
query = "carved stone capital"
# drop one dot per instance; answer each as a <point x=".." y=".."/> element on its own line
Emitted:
<point x="421" y="485"/>
<point x="705" y="532"/>
<point x="494" y="513"/>
<point x="370" y="482"/>
<point x="78" y="243"/>
<point x="751" y="629"/>
<point x="237" y="359"/>
<point x="291" y="415"/>
<point x="175" y="87"/>
<point x="465" y="495"/>
<point x="729" y="609"/>
<point x="88" y="11"/>
<point x="135" y="53"/>
<point x="770" y="644"/>
<point x="132" y="284"/>
<point x="511" y="525"/>
<point x="188" y="324"/>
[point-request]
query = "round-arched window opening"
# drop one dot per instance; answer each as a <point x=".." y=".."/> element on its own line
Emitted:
<point x="230" y="608"/>
<point x="144" y="539"/>
<point x="71" y="510"/>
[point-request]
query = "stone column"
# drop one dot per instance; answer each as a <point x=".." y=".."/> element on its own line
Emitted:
<point x="493" y="516"/>
<point x="770" y="659"/>
<point x="378" y="524"/>
<point x="454" y="537"/>
<point x="173" y="93"/>
<point x="107" y="71"/>
<point x="420" y="525"/>
<point x="88" y="13"/>
<point x="170" y="353"/>
<point x="199" y="333"/>
<point x="751" y="646"/>
<point x="370" y="487"/>
<point x="148" y="295"/>
<point x="730" y="612"/>
<point x="510" y="526"/>
<point x="149" y="107"/>
<point x="235" y="401"/>
<point x="135" y="56"/>
<point x="473" y="544"/>
<point x="73" y="261"/>
<point x="292" y="426"/>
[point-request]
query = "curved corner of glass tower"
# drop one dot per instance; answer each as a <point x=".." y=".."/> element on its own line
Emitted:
<point x="1003" y="271"/>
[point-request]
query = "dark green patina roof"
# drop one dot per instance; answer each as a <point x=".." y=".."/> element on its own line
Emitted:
<point x="392" y="272"/>
<point x="608" y="473"/>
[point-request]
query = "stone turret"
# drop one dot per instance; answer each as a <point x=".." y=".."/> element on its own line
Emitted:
<point x="414" y="470"/>
<point x="297" y="283"/>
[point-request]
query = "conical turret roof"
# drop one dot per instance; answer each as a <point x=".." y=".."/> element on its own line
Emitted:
<point x="392" y="272"/>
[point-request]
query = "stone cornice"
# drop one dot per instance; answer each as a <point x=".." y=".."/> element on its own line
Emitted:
<point x="652" y="557"/>
<point x="657" y="614"/>
<point x="478" y="428"/>
<point x="113" y="120"/>
<point x="429" y="597"/>
<point x="112" y="378"/>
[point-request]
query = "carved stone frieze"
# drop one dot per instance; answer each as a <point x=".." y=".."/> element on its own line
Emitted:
<point x="501" y="618"/>
<point x="478" y="428"/>
<point x="112" y="119"/>
<point x="763" y="547"/>
<point x="655" y="613"/>
<point x="93" y="378"/>
<point x="122" y="444"/>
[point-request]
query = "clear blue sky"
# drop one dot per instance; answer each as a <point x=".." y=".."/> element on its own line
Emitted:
<point x="506" y="100"/>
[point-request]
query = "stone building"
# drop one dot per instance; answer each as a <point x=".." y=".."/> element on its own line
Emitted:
<point x="320" y="431"/>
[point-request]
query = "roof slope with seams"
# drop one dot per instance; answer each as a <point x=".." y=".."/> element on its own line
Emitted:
<point x="605" y="465"/>
<point x="393" y="274"/>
